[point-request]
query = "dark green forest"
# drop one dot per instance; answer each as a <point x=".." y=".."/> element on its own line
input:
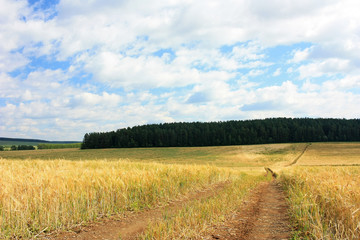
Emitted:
<point x="22" y="147"/>
<point x="272" y="130"/>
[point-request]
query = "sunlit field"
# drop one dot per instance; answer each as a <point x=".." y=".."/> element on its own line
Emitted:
<point x="39" y="195"/>
<point x="196" y="216"/>
<point x="325" y="201"/>
<point x="225" y="156"/>
<point x="324" y="191"/>
<point x="58" y="189"/>
<point x="331" y="154"/>
<point x="50" y="189"/>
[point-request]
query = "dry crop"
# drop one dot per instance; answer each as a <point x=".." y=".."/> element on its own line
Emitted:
<point x="198" y="216"/>
<point x="224" y="156"/>
<point x="325" y="201"/>
<point x="39" y="196"/>
<point x="324" y="154"/>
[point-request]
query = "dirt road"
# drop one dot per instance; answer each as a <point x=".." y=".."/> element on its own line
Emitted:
<point x="262" y="216"/>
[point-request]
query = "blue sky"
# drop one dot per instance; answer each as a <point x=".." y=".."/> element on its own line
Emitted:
<point x="69" y="67"/>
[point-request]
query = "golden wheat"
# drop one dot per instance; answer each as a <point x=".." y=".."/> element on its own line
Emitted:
<point x="197" y="217"/>
<point x="331" y="154"/>
<point x="325" y="201"/>
<point x="39" y="195"/>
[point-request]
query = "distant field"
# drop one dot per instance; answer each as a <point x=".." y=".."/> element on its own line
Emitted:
<point x="275" y="155"/>
<point x="58" y="145"/>
<point x="331" y="154"/>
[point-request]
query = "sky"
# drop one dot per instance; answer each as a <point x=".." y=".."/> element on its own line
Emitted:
<point x="69" y="67"/>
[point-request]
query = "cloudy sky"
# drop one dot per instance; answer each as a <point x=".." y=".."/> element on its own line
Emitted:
<point x="70" y="67"/>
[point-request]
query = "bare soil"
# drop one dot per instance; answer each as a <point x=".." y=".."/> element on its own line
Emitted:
<point x="132" y="224"/>
<point x="263" y="215"/>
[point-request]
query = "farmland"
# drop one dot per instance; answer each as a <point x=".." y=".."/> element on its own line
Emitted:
<point x="50" y="191"/>
<point x="325" y="201"/>
<point x="333" y="154"/>
<point x="226" y="156"/>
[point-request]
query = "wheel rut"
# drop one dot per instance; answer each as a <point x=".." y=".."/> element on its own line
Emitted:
<point x="263" y="215"/>
<point x="132" y="224"/>
<point x="298" y="157"/>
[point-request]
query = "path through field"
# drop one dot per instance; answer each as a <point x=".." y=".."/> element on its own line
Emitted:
<point x="298" y="157"/>
<point x="134" y="224"/>
<point x="262" y="216"/>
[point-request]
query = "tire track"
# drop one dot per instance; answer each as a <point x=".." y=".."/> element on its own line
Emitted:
<point x="134" y="223"/>
<point x="262" y="216"/>
<point x="298" y="157"/>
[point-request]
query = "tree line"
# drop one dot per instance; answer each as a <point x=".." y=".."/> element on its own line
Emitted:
<point x="271" y="130"/>
<point x="22" y="147"/>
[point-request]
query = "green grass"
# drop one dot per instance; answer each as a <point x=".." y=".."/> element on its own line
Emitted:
<point x="58" y="145"/>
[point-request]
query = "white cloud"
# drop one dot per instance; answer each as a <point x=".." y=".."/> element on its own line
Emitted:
<point x="91" y="99"/>
<point x="213" y="55"/>
<point x="146" y="72"/>
<point x="277" y="72"/>
<point x="250" y="52"/>
<point x="347" y="83"/>
<point x="254" y="73"/>
<point x="308" y="86"/>
<point x="300" y="55"/>
<point x="142" y="72"/>
<point x="326" y="67"/>
<point x="12" y="61"/>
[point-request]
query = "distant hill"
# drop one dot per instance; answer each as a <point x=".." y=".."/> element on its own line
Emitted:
<point x="23" y="141"/>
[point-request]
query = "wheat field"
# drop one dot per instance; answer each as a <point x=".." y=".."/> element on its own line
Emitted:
<point x="325" y="154"/>
<point x="323" y="191"/>
<point x="46" y="190"/>
<point x="47" y="194"/>
<point x="38" y="196"/>
<point x="325" y="201"/>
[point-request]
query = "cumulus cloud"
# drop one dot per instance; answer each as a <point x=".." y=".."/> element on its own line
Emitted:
<point x="71" y="68"/>
<point x="326" y="67"/>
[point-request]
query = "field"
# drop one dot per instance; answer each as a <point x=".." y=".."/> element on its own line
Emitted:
<point x="324" y="154"/>
<point x="190" y="191"/>
<point x="324" y="193"/>
<point x="228" y="156"/>
<point x="325" y="201"/>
